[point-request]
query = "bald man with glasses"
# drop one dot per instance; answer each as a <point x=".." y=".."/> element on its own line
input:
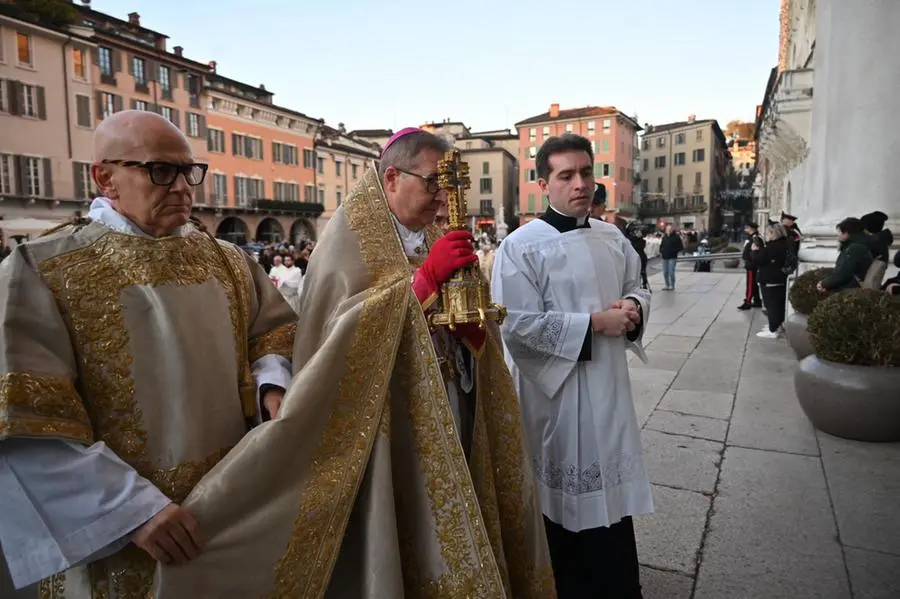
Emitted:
<point x="136" y="352"/>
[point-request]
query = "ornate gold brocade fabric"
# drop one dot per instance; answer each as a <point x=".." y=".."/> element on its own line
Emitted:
<point x="115" y="353"/>
<point x="361" y="490"/>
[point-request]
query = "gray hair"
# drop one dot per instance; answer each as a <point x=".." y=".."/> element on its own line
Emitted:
<point x="402" y="153"/>
<point x="776" y="231"/>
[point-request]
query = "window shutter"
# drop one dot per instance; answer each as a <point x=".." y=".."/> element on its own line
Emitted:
<point x="131" y="66"/>
<point x="80" y="192"/>
<point x="21" y="174"/>
<point x="237" y="188"/>
<point x="117" y="61"/>
<point x="48" y="179"/>
<point x="83" y="111"/>
<point x="235" y="141"/>
<point x="14" y="95"/>
<point x="248" y="147"/>
<point x="151" y="70"/>
<point x="176" y="118"/>
<point x="99" y="101"/>
<point x="200" y="193"/>
<point x="95" y="55"/>
<point x="41" y="103"/>
<point x="117" y="103"/>
<point x="275" y="155"/>
<point x="133" y="104"/>
<point x="203" y="132"/>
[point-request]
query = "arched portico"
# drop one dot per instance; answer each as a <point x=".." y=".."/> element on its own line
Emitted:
<point x="233" y="229"/>
<point x="301" y="230"/>
<point x="269" y="231"/>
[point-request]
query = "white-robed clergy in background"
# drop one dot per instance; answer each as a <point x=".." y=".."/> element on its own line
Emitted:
<point x="134" y="350"/>
<point x="572" y="286"/>
<point x="288" y="279"/>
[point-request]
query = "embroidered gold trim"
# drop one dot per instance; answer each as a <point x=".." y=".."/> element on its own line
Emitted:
<point x="35" y="405"/>
<point x="53" y="587"/>
<point x="87" y="284"/>
<point x="471" y="569"/>
<point x="458" y="555"/>
<point x="339" y="462"/>
<point x="279" y="341"/>
<point x="500" y="434"/>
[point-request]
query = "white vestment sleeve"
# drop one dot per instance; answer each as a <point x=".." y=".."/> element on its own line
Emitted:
<point x="270" y="370"/>
<point x="544" y="345"/>
<point x="273" y="370"/>
<point x="632" y="289"/>
<point x="65" y="504"/>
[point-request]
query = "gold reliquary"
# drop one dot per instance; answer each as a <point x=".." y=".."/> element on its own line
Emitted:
<point x="465" y="298"/>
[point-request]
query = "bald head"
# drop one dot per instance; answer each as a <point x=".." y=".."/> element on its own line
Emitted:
<point x="137" y="135"/>
<point x="142" y="164"/>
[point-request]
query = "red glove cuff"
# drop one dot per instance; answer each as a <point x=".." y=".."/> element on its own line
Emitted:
<point x="425" y="289"/>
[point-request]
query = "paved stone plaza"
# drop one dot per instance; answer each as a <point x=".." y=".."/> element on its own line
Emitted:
<point x="751" y="502"/>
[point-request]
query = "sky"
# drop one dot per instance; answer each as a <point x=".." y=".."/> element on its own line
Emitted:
<point x="487" y="63"/>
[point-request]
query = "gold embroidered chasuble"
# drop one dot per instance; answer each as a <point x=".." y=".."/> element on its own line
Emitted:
<point x="361" y="489"/>
<point x="135" y="342"/>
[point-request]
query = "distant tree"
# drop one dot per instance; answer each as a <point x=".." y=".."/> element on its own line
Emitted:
<point x="46" y="12"/>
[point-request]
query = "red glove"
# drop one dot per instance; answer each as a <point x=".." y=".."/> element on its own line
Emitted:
<point x="449" y="253"/>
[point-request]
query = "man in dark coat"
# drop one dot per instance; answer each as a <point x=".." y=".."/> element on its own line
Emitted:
<point x="598" y="209"/>
<point x="790" y="221"/>
<point x="751" y="293"/>
<point x="854" y="260"/>
<point x="878" y="239"/>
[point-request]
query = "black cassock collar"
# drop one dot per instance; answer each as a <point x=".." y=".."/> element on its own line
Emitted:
<point x="563" y="223"/>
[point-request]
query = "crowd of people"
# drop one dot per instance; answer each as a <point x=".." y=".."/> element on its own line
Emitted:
<point x="178" y="423"/>
<point x="771" y="258"/>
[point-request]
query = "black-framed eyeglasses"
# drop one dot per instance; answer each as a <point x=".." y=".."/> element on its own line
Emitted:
<point x="431" y="181"/>
<point x="165" y="173"/>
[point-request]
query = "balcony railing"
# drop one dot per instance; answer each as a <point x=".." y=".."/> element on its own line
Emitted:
<point x="662" y="208"/>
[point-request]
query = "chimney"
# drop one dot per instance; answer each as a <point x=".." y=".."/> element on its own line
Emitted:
<point x="86" y="3"/>
<point x="134" y="19"/>
<point x="262" y="87"/>
<point x="179" y="51"/>
<point x="212" y="66"/>
<point x="692" y="118"/>
<point x="342" y="128"/>
<point x="554" y="111"/>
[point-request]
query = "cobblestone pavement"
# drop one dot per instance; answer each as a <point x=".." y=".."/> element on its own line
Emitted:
<point x="751" y="501"/>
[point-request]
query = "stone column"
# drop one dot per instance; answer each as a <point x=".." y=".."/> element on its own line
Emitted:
<point x="854" y="161"/>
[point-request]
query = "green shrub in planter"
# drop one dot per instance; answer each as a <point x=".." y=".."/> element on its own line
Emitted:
<point x="803" y="293"/>
<point x="734" y="263"/>
<point x="859" y="327"/>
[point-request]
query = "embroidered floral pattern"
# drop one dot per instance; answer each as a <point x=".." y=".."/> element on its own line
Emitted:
<point x="572" y="480"/>
<point x="544" y="341"/>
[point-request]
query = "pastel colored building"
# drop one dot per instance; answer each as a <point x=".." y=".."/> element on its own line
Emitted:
<point x="613" y="137"/>
<point x="341" y="162"/>
<point x="46" y="127"/>
<point x="262" y="168"/>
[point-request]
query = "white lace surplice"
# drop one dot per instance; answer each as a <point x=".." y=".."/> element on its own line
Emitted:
<point x="579" y="416"/>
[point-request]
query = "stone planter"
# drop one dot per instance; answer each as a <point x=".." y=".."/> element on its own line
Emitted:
<point x="797" y="335"/>
<point x="732" y="263"/>
<point x="851" y="402"/>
